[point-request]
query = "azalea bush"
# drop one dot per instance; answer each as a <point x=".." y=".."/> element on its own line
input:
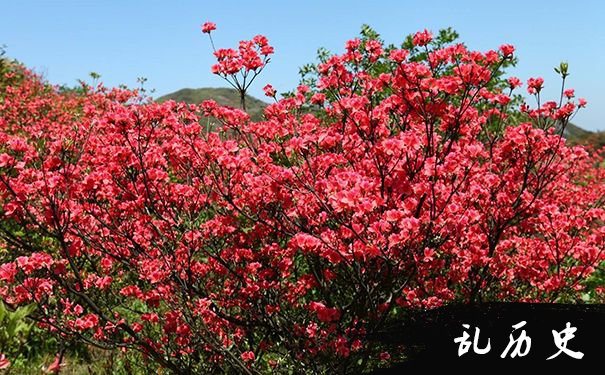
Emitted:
<point x="396" y="178"/>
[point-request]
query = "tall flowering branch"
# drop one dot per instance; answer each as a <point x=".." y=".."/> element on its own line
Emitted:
<point x="240" y="67"/>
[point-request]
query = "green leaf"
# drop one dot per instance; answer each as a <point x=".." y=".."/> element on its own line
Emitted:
<point x="2" y="311"/>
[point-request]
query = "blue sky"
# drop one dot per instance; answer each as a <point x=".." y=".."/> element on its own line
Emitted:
<point x="161" y="40"/>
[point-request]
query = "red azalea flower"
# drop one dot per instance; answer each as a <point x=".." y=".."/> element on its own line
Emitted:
<point x="4" y="363"/>
<point x="507" y="50"/>
<point x="207" y="27"/>
<point x="422" y="38"/>
<point x="269" y="90"/>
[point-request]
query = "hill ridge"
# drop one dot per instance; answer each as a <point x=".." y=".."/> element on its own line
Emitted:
<point x="222" y="95"/>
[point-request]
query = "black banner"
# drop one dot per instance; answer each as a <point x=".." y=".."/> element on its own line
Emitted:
<point x="520" y="337"/>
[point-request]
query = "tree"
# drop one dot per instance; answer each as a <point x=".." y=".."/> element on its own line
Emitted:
<point x="400" y="180"/>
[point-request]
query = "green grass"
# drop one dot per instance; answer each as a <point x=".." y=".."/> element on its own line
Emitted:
<point x="96" y="362"/>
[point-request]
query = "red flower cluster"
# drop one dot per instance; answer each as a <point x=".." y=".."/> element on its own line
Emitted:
<point x="208" y="27"/>
<point x="422" y="38"/>
<point x="265" y="246"/>
<point x="4" y="363"/>
<point x="251" y="55"/>
<point x="241" y="66"/>
<point x="269" y="91"/>
<point x="534" y="85"/>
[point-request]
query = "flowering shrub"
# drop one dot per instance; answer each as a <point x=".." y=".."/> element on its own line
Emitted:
<point x="397" y="179"/>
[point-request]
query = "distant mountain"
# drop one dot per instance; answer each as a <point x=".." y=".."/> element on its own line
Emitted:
<point x="576" y="133"/>
<point x="579" y="136"/>
<point x="223" y="96"/>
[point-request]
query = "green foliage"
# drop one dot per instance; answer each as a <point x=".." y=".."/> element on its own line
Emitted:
<point x="30" y="349"/>
<point x="96" y="362"/>
<point x="14" y="329"/>
<point x="20" y="339"/>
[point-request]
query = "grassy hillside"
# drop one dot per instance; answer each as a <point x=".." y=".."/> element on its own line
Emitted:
<point x="578" y="136"/>
<point x="574" y="132"/>
<point x="223" y="96"/>
<point x="595" y="139"/>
